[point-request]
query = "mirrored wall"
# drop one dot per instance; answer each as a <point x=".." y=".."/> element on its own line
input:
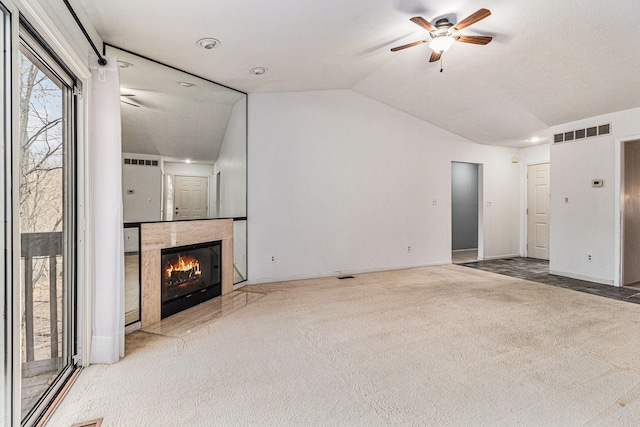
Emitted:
<point x="184" y="151"/>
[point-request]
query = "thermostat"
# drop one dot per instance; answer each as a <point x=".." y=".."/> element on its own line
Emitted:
<point x="597" y="183"/>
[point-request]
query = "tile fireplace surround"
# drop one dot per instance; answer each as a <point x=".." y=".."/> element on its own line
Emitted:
<point x="162" y="235"/>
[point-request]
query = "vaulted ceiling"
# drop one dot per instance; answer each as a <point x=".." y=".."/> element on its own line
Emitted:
<point x="550" y="61"/>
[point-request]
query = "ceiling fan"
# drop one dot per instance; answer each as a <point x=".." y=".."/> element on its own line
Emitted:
<point x="128" y="95"/>
<point x="443" y="34"/>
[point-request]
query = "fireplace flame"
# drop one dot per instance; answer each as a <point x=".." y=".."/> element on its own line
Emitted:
<point x="184" y="264"/>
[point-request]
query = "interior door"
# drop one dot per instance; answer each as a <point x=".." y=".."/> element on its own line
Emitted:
<point x="191" y="197"/>
<point x="631" y="217"/>
<point x="538" y="211"/>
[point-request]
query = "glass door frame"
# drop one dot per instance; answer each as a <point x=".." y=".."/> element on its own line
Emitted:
<point x="46" y="61"/>
<point x="9" y="131"/>
<point x="56" y="40"/>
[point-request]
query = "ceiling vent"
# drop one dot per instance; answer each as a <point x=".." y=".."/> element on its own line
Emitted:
<point x="141" y="162"/>
<point x="577" y="134"/>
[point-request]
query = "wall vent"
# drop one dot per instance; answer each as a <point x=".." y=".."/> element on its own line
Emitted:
<point x="141" y="162"/>
<point x="582" y="133"/>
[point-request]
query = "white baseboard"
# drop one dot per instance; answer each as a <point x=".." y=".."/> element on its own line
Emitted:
<point x="581" y="277"/>
<point x="240" y="285"/>
<point x="488" y="258"/>
<point x="132" y="328"/>
<point x="337" y="273"/>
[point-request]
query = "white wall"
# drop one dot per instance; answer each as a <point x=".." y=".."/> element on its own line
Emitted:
<point x="529" y="156"/>
<point x="589" y="222"/>
<point x="342" y="183"/>
<point x="232" y="165"/>
<point x="187" y="169"/>
<point x="141" y="190"/>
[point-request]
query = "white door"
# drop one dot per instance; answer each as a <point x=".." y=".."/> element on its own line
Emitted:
<point x="631" y="217"/>
<point x="191" y="197"/>
<point x="538" y="211"/>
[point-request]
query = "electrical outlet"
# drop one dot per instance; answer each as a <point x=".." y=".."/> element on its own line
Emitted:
<point x="589" y="258"/>
<point x="408" y="248"/>
<point x="434" y="202"/>
<point x="273" y="258"/>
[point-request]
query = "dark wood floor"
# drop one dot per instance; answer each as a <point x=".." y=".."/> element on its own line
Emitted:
<point x="537" y="270"/>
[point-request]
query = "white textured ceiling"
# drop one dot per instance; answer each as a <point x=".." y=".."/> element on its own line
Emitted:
<point x="550" y="61"/>
<point x="161" y="117"/>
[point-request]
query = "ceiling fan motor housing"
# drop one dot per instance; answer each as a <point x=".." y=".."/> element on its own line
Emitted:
<point x="443" y="25"/>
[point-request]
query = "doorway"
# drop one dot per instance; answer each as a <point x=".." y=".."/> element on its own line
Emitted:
<point x="538" y="211"/>
<point x="191" y="195"/>
<point x="218" y="197"/>
<point x="465" y="196"/>
<point x="631" y="214"/>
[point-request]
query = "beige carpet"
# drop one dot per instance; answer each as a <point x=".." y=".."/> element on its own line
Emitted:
<point x="431" y="346"/>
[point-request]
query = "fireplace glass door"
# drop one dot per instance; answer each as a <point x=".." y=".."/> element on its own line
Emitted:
<point x="190" y="275"/>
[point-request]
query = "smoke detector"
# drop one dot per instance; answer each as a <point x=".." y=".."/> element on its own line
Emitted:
<point x="208" y="43"/>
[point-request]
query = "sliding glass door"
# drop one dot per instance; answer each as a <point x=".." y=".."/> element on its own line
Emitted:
<point x="37" y="172"/>
<point x="46" y="222"/>
<point x="6" y="298"/>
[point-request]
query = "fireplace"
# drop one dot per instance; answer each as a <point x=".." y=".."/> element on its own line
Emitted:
<point x="190" y="275"/>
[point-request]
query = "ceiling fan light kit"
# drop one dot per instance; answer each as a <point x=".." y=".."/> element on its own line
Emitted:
<point x="444" y="34"/>
<point x="441" y="43"/>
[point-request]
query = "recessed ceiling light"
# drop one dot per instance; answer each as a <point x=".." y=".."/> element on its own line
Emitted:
<point x="124" y="64"/>
<point x="186" y="84"/>
<point x="208" y="43"/>
<point x="534" y="139"/>
<point x="258" y="71"/>
<point x="188" y="161"/>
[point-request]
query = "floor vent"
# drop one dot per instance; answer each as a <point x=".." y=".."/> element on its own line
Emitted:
<point x="93" y="423"/>
<point x="345" y="277"/>
<point x="141" y="162"/>
<point x="577" y="134"/>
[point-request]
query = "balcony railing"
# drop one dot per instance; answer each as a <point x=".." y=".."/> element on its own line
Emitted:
<point x="41" y="253"/>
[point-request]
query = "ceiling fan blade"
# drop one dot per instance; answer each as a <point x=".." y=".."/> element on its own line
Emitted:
<point x="474" y="39"/>
<point x="130" y="103"/>
<point x="423" y="23"/>
<point x="472" y="19"/>
<point x="435" y="56"/>
<point x="127" y="94"/>
<point x="395" y="49"/>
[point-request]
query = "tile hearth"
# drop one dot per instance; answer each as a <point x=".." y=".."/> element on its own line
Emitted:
<point x="192" y="319"/>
